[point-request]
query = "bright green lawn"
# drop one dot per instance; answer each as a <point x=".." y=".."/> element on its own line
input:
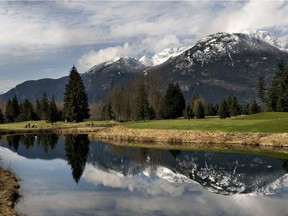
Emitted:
<point x="262" y="122"/>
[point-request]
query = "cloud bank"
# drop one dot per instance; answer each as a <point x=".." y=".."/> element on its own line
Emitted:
<point x="33" y="31"/>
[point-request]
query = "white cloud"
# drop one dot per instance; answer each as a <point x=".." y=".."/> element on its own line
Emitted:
<point x="32" y="31"/>
<point x="135" y="49"/>
<point x="253" y="15"/>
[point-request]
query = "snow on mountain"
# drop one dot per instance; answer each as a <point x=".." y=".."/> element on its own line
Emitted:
<point x="279" y="184"/>
<point x="117" y="63"/>
<point x="265" y="36"/>
<point x="168" y="175"/>
<point x="162" y="56"/>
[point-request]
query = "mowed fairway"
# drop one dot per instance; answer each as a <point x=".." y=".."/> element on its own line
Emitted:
<point x="263" y="122"/>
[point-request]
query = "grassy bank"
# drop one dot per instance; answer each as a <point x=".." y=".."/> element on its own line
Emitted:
<point x="19" y="127"/>
<point x="260" y="123"/>
<point x="8" y="192"/>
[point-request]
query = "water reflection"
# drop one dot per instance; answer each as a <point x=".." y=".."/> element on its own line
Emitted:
<point x="77" y="149"/>
<point x="112" y="180"/>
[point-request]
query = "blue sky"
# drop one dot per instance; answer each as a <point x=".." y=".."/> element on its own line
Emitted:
<point x="44" y="39"/>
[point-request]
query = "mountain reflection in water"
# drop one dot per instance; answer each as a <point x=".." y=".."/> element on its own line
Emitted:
<point x="109" y="169"/>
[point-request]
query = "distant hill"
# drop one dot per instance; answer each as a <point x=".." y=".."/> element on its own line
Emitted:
<point x="216" y="66"/>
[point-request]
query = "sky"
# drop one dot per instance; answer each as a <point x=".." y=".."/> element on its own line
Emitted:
<point x="44" y="39"/>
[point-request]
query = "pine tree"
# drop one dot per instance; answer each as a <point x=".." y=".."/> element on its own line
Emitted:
<point x="76" y="106"/>
<point x="224" y="110"/>
<point x="44" y="104"/>
<point x="52" y="114"/>
<point x="278" y="91"/>
<point x="26" y="111"/>
<point x="2" y="118"/>
<point x="107" y="112"/>
<point x="254" y="108"/>
<point x="188" y="112"/>
<point x="174" y="102"/>
<point x="142" y="104"/>
<point x="234" y="107"/>
<point x="210" y="110"/>
<point x="38" y="108"/>
<point x="12" y="109"/>
<point x="199" y="109"/>
<point x="261" y="91"/>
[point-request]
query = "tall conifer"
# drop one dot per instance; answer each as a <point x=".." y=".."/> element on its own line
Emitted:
<point x="76" y="106"/>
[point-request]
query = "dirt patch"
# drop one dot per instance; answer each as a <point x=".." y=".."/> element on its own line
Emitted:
<point x="8" y="192"/>
<point x="189" y="137"/>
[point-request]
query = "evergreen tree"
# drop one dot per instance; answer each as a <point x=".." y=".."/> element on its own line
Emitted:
<point x="12" y="109"/>
<point x="52" y="114"/>
<point x="107" y="112"/>
<point x="174" y="102"/>
<point x="254" y="108"/>
<point x="234" y="107"/>
<point x="210" y="110"/>
<point x="38" y="108"/>
<point x="278" y="92"/>
<point x="8" y="113"/>
<point x="44" y="104"/>
<point x="2" y="117"/>
<point x="224" y="110"/>
<point x="26" y="111"/>
<point x="76" y="106"/>
<point x="199" y="110"/>
<point x="151" y="113"/>
<point x="245" y="110"/>
<point x="261" y="91"/>
<point x="188" y="112"/>
<point x="142" y="104"/>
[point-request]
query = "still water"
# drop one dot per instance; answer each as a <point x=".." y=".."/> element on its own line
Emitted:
<point x="74" y="176"/>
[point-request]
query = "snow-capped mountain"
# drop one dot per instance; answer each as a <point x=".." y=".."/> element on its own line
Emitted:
<point x="120" y="63"/>
<point x="168" y="53"/>
<point x="162" y="56"/>
<point x="222" y="64"/>
<point x="218" y="65"/>
<point x="266" y="37"/>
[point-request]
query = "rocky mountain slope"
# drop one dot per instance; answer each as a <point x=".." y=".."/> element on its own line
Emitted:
<point x="216" y="66"/>
<point x="223" y="64"/>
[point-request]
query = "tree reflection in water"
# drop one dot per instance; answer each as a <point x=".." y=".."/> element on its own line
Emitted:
<point x="28" y="140"/>
<point x="77" y="149"/>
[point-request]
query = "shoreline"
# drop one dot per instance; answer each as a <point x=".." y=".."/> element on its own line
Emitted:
<point x="186" y="138"/>
<point x="190" y="137"/>
<point x="9" y="192"/>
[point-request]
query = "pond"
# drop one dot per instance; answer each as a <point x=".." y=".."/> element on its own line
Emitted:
<point x="74" y="176"/>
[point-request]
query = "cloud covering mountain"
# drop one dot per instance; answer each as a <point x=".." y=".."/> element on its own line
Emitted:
<point x="44" y="39"/>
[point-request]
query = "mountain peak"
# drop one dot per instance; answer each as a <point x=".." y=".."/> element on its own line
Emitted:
<point x="266" y="37"/>
<point x="162" y="56"/>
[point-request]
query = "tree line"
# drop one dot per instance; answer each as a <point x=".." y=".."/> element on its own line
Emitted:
<point x="274" y="98"/>
<point x="143" y="98"/>
<point x="75" y="107"/>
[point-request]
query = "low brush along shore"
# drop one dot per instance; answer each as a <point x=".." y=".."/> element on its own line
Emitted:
<point x="188" y="138"/>
<point x="8" y="192"/>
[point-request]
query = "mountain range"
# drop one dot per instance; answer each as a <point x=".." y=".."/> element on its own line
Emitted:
<point x="216" y="66"/>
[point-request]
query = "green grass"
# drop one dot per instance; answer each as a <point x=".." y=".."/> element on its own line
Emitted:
<point x="44" y="125"/>
<point x="262" y="122"/>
